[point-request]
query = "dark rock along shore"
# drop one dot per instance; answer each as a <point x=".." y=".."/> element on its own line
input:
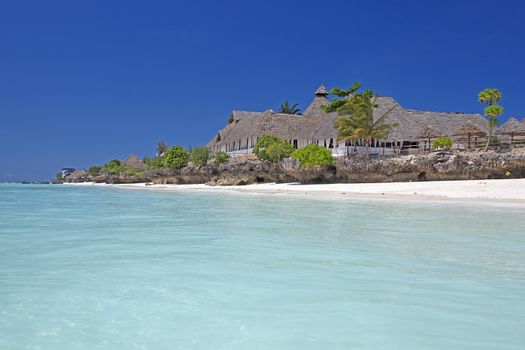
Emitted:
<point x="422" y="167"/>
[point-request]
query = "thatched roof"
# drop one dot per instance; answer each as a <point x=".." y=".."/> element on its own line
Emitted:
<point x="469" y="128"/>
<point x="133" y="162"/>
<point x="315" y="124"/>
<point x="321" y="91"/>
<point x="428" y="132"/>
<point x="512" y="127"/>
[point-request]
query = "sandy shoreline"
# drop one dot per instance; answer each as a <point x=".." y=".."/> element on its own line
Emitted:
<point x="512" y="190"/>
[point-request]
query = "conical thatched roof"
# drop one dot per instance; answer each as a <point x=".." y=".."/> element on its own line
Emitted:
<point x="428" y="132"/>
<point x="469" y="128"/>
<point x="321" y="91"/>
<point x="133" y="162"/>
<point x="512" y="127"/>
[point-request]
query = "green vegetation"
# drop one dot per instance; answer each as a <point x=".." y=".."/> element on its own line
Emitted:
<point x="442" y="142"/>
<point x="220" y="157"/>
<point x="355" y="119"/>
<point x="491" y="97"/>
<point x="278" y="151"/>
<point x="272" y="148"/>
<point x="94" y="170"/>
<point x="113" y="167"/>
<point x="289" y="109"/>
<point x="200" y="155"/>
<point x="154" y="163"/>
<point x="176" y="157"/>
<point x="313" y="155"/>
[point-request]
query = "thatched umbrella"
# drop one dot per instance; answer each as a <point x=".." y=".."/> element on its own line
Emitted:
<point x="428" y="132"/>
<point x="512" y="128"/>
<point x="133" y="162"/>
<point x="470" y="129"/>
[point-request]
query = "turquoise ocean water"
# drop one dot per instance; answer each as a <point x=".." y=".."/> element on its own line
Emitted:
<point x="102" y="268"/>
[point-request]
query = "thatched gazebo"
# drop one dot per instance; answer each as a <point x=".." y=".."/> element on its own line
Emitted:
<point x="428" y="132"/>
<point x="470" y="130"/>
<point x="512" y="128"/>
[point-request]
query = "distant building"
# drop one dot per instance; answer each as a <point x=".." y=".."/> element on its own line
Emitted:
<point x="240" y="134"/>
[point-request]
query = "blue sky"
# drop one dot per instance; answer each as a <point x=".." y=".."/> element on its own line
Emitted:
<point x="85" y="82"/>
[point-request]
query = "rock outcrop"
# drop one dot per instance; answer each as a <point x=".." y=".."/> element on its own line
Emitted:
<point x="422" y="167"/>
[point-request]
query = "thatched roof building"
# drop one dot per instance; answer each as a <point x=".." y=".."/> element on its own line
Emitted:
<point x="317" y="126"/>
<point x="512" y="128"/>
<point x="428" y="132"/>
<point x="470" y="129"/>
<point x="133" y="162"/>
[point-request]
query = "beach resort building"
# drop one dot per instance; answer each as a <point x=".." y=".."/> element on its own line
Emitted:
<point x="414" y="132"/>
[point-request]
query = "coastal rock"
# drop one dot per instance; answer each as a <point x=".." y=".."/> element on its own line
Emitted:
<point x="77" y="176"/>
<point x="440" y="165"/>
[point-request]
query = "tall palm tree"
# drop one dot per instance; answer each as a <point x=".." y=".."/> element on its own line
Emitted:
<point x="289" y="109"/>
<point x="356" y="120"/>
<point x="491" y="97"/>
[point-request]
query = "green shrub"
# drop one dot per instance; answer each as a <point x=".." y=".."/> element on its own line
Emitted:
<point x="272" y="148"/>
<point x="130" y="171"/>
<point x="176" y="157"/>
<point x="154" y="163"/>
<point x="278" y="151"/>
<point x="113" y="166"/>
<point x="94" y="170"/>
<point x="220" y="157"/>
<point x="200" y="155"/>
<point x="313" y="155"/>
<point x="444" y="142"/>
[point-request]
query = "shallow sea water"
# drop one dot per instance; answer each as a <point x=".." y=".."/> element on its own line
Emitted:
<point x="102" y="268"/>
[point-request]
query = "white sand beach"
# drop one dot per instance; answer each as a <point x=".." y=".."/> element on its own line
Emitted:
<point x="499" y="190"/>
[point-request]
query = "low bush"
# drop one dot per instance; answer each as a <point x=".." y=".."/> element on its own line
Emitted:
<point x="272" y="148"/>
<point x="176" y="157"/>
<point x="94" y="170"/>
<point x="442" y="142"/>
<point x="220" y="157"/>
<point x="154" y="163"/>
<point x="278" y="151"/>
<point x="200" y="155"/>
<point x="113" y="167"/>
<point x="313" y="155"/>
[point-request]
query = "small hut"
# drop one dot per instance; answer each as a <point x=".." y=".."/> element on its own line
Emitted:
<point x="469" y="130"/>
<point x="428" y="133"/>
<point x="512" y="128"/>
<point x="133" y="162"/>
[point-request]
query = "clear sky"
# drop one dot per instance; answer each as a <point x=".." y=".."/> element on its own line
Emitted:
<point x="82" y="82"/>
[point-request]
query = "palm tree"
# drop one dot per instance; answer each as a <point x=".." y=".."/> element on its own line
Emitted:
<point x="161" y="147"/>
<point x="491" y="97"/>
<point x="289" y="109"/>
<point x="356" y="120"/>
